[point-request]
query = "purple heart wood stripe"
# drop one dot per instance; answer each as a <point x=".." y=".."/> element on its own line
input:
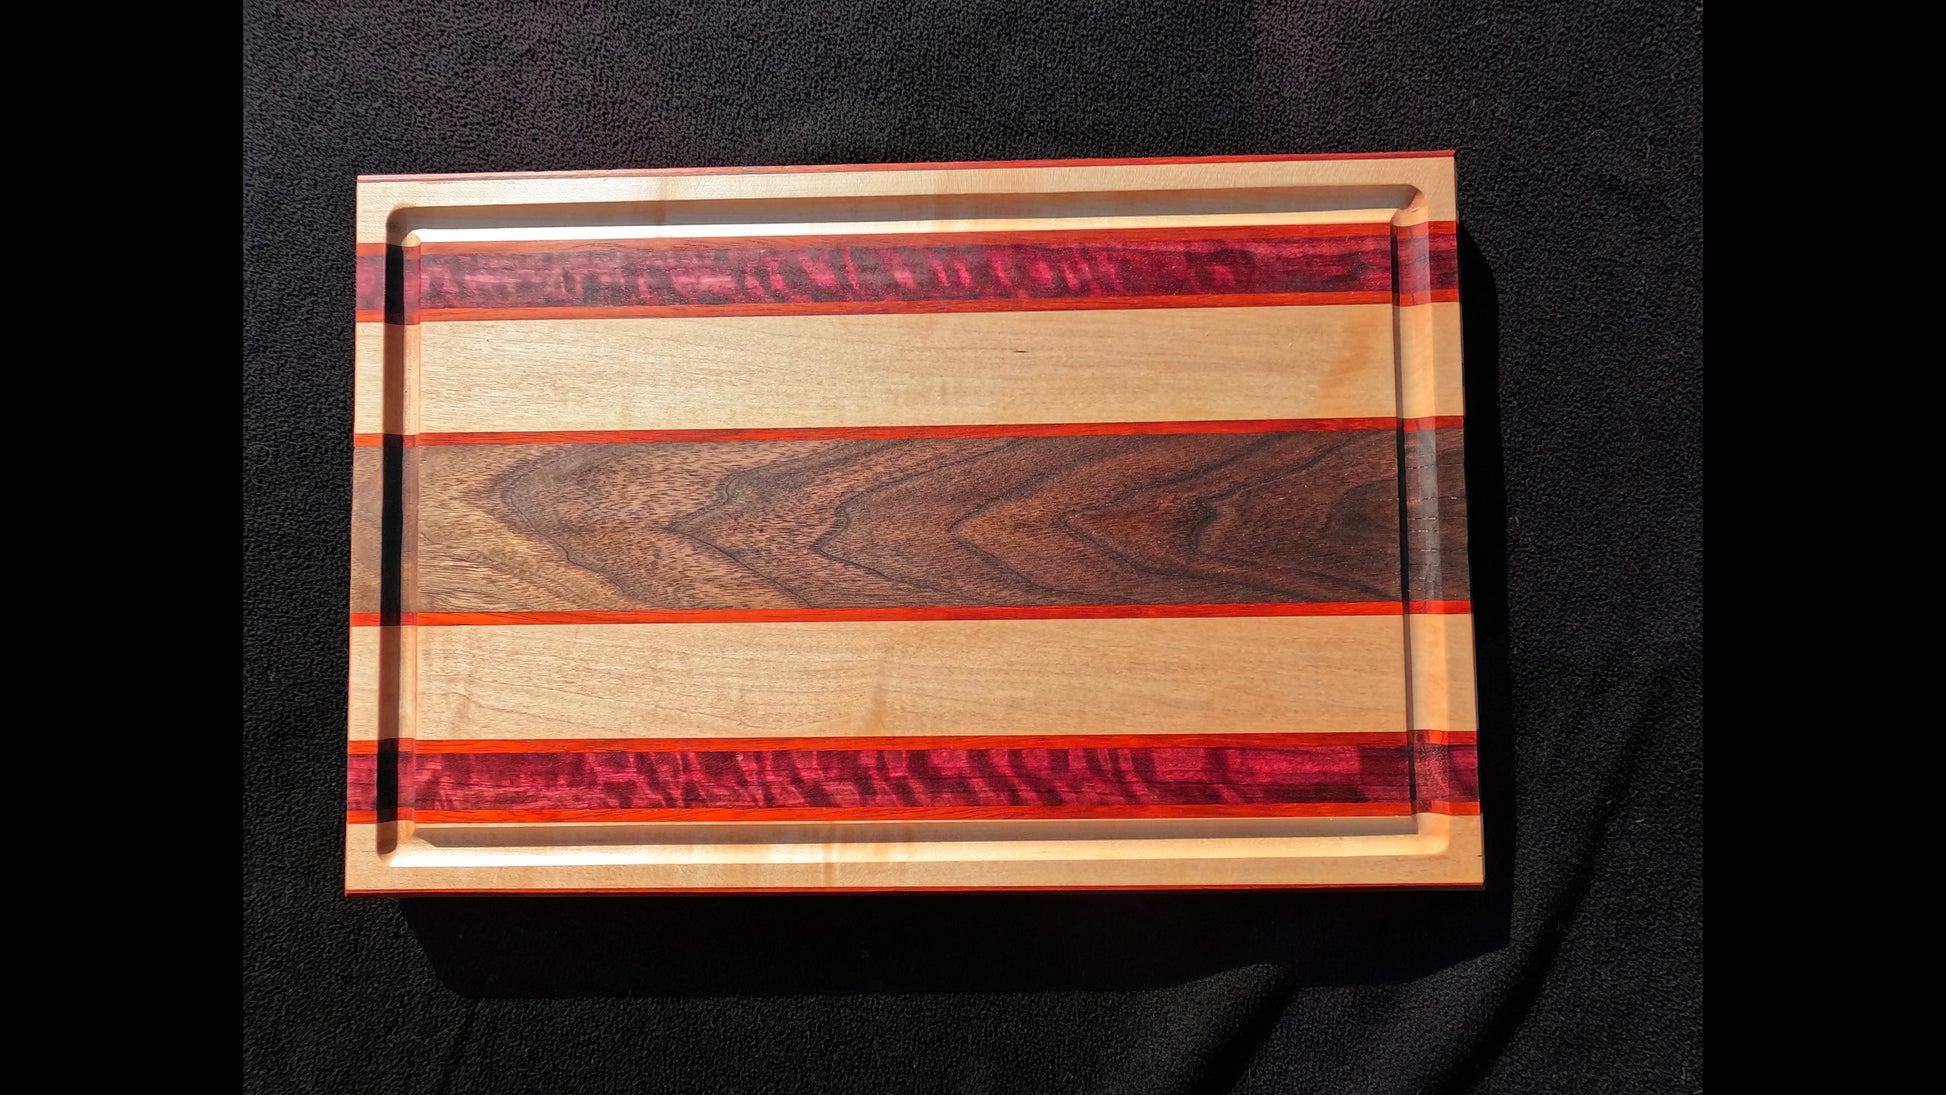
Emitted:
<point x="1215" y="775"/>
<point x="943" y="272"/>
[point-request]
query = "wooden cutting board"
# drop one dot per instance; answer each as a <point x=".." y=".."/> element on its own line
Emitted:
<point x="1047" y="525"/>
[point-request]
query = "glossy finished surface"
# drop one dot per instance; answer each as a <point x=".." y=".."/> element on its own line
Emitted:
<point x="933" y="527"/>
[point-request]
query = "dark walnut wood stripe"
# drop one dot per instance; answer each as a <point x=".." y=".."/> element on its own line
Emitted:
<point x="1445" y="773"/>
<point x="1207" y="519"/>
<point x="384" y="534"/>
<point x="1052" y="780"/>
<point x="1434" y="486"/>
<point x="959" y="272"/>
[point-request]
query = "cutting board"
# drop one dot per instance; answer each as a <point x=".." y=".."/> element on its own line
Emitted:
<point x="1077" y="525"/>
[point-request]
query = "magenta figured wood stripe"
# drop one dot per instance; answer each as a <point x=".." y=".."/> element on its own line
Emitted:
<point x="1445" y="773"/>
<point x="376" y="772"/>
<point x="1049" y="780"/>
<point x="361" y="781"/>
<point x="371" y="281"/>
<point x="1332" y="264"/>
<point x="1425" y="263"/>
<point x="855" y="779"/>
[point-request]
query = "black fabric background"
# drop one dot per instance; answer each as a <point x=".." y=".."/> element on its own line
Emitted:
<point x="1579" y="131"/>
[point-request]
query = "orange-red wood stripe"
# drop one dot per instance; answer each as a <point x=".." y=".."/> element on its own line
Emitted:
<point x="488" y="817"/>
<point x="912" y="813"/>
<point x="913" y="614"/>
<point x="901" y="433"/>
<point x="882" y="741"/>
<point x="782" y="891"/>
<point x="1433" y="422"/>
<point x="448" y="817"/>
<point x="905" y="433"/>
<point x="962" y="165"/>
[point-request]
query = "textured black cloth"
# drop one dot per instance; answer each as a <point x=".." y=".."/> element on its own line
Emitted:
<point x="1579" y="131"/>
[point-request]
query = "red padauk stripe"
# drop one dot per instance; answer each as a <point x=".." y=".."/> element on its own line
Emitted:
<point x="912" y="813"/>
<point x="958" y="165"/>
<point x="914" y="614"/>
<point x="875" y="742"/>
<point x="1433" y="422"/>
<point x="840" y="890"/>
<point x="904" y="433"/>
<point x="492" y="817"/>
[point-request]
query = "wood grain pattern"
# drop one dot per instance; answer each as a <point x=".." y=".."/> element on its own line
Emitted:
<point x="1425" y="263"/>
<point x="1196" y="364"/>
<point x="955" y="165"/>
<point x="1047" y="779"/>
<point x="1298" y="674"/>
<point x="964" y="271"/>
<point x="990" y="526"/>
<point x="1445" y="772"/>
<point x="1410" y="189"/>
<point x="1434" y="486"/>
<point x="954" y="432"/>
<point x="1192" y="519"/>
<point x="558" y="781"/>
<point x="1440" y="850"/>
<point x="1439" y="671"/>
<point x="909" y="614"/>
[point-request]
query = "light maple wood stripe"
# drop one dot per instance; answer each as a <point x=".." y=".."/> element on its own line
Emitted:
<point x="1301" y="674"/>
<point x="1442" y="850"/>
<point x="1421" y="187"/>
<point x="383" y="686"/>
<point x="362" y="700"/>
<point x="879" y="235"/>
<point x="1429" y="381"/>
<point x="382" y="355"/>
<point x="916" y="370"/>
<point x="368" y="379"/>
<point x="1442" y="671"/>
